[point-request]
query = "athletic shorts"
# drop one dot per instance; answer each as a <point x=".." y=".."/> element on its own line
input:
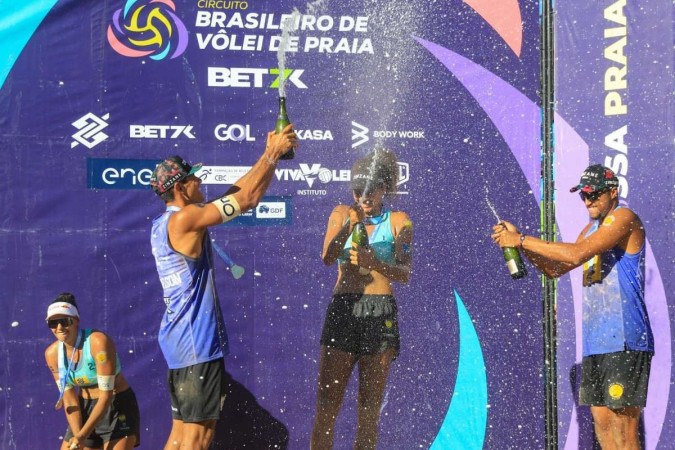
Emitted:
<point x="197" y="392"/>
<point x="616" y="380"/>
<point x="362" y="324"/>
<point x="122" y="419"/>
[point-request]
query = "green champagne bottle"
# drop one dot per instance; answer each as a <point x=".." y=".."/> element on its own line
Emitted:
<point x="282" y="122"/>
<point x="514" y="262"/>
<point x="360" y="238"/>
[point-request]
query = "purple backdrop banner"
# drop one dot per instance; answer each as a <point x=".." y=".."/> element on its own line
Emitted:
<point x="94" y="93"/>
<point x="614" y="107"/>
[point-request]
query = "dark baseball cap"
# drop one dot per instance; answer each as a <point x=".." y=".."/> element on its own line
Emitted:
<point x="171" y="171"/>
<point x="596" y="178"/>
<point x="363" y="177"/>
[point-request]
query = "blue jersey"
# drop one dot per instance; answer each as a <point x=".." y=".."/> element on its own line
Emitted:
<point x="614" y="312"/>
<point x="381" y="240"/>
<point x="84" y="372"/>
<point x="192" y="329"/>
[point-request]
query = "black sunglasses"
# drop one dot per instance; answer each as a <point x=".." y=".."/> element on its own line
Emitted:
<point x="64" y="322"/>
<point x="592" y="196"/>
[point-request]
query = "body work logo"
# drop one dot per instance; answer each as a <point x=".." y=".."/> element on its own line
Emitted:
<point x="148" y="28"/>
<point x="90" y="132"/>
<point x="119" y="173"/>
<point x="360" y="134"/>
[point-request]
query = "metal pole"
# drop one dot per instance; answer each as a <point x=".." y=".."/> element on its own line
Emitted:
<point x="548" y="226"/>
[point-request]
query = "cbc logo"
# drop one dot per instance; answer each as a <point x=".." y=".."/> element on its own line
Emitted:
<point x="234" y="132"/>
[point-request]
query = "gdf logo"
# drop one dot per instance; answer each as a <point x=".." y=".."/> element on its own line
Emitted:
<point x="234" y="132"/>
<point x="241" y="77"/>
<point x="90" y="132"/>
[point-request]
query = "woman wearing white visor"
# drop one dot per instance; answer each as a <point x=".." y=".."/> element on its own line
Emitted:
<point x="101" y="411"/>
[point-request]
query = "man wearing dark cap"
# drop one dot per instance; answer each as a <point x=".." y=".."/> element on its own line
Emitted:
<point x="617" y="339"/>
<point x="192" y="333"/>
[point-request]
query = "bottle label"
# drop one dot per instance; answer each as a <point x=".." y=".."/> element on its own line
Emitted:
<point x="512" y="266"/>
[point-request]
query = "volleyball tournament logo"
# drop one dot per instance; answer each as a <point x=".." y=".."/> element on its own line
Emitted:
<point x="148" y="28"/>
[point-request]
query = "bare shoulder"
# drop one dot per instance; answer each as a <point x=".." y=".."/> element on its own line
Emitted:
<point x="187" y="214"/>
<point x="400" y="218"/>
<point x="340" y="211"/>
<point x="624" y="218"/>
<point x="400" y="221"/>
<point x="51" y="351"/>
<point x="99" y="339"/>
<point x="98" y="335"/>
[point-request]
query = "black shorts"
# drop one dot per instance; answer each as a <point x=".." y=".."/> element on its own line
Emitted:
<point x="616" y="380"/>
<point x="197" y="392"/>
<point x="122" y="419"/>
<point x="362" y="324"/>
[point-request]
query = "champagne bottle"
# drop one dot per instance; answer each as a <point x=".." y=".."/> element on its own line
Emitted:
<point x="360" y="238"/>
<point x="514" y="263"/>
<point x="282" y="122"/>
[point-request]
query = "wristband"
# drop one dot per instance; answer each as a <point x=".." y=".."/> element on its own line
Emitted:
<point x="522" y="239"/>
<point x="58" y="383"/>
<point x="106" y="382"/>
<point x="228" y="207"/>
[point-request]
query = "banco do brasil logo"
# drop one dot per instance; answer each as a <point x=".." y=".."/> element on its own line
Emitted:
<point x="148" y="28"/>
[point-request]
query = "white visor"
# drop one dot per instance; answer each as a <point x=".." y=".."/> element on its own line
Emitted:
<point x="62" y="308"/>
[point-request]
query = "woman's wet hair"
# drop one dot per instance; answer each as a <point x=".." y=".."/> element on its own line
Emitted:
<point x="377" y="169"/>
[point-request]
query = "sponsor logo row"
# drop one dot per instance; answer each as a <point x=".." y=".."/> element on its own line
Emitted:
<point x="90" y="132"/>
<point x="103" y="173"/>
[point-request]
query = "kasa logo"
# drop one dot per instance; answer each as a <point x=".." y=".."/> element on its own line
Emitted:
<point x="314" y="135"/>
<point x="310" y="173"/>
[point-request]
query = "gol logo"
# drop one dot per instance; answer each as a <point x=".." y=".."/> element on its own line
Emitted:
<point x="148" y="28"/>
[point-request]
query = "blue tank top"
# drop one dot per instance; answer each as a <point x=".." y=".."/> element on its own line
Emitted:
<point x="381" y="240"/>
<point x="192" y="330"/>
<point x="84" y="373"/>
<point x="614" y="315"/>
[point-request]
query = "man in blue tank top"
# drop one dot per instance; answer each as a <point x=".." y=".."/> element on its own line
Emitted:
<point x="192" y="333"/>
<point x="617" y="338"/>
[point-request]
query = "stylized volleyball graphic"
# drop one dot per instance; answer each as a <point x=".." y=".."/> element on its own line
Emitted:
<point x="148" y="28"/>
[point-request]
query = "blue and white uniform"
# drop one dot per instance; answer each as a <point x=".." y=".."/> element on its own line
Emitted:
<point x="192" y="329"/>
<point x="84" y="373"/>
<point x="614" y="312"/>
<point x="381" y="240"/>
